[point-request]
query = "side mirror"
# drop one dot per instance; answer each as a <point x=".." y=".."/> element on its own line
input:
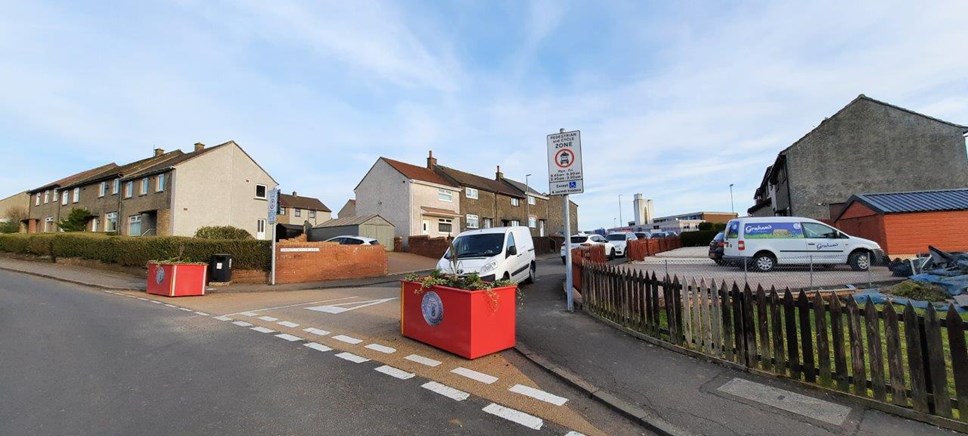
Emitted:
<point x="512" y="251"/>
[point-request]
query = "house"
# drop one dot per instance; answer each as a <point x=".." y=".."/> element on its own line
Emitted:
<point x="546" y="213"/>
<point x="172" y="193"/>
<point x="370" y="226"/>
<point x="13" y="211"/>
<point x="348" y="209"/>
<point x="486" y="202"/>
<point x="294" y="209"/>
<point x="868" y="146"/>
<point x="905" y="223"/>
<point x="47" y="201"/>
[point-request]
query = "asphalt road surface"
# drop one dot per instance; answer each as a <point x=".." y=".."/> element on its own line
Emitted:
<point x="76" y="360"/>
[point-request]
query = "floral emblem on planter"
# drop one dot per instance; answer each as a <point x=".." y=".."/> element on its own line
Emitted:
<point x="159" y="275"/>
<point x="432" y="308"/>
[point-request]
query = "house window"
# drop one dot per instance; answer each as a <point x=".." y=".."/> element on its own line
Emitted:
<point x="298" y="212"/>
<point x="488" y="223"/>
<point x="312" y="214"/>
<point x="103" y="189"/>
<point x="260" y="192"/>
<point x="531" y="200"/>
<point x="77" y="194"/>
<point x="471" y="192"/>
<point x="515" y="223"/>
<point x="532" y="222"/>
<point x="515" y="202"/>
<point x="46" y="197"/>
<point x="111" y="222"/>
<point x="160" y="183"/>
<point x="445" y="195"/>
<point x="144" y="186"/>
<point x="37" y="200"/>
<point x="54" y="197"/>
<point x="472" y="221"/>
<point x="134" y="225"/>
<point x="128" y="189"/>
<point x="445" y="225"/>
<point x="65" y="198"/>
<point x="282" y="211"/>
<point x="116" y="186"/>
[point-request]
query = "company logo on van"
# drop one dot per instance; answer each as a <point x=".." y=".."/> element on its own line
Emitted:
<point x="773" y="231"/>
<point x="823" y="245"/>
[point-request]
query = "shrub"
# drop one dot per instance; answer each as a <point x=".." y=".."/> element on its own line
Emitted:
<point x="76" y="221"/>
<point x="222" y="232"/>
<point x="697" y="238"/>
<point x="9" y="227"/>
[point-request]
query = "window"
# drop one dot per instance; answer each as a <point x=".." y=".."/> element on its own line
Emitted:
<point x="37" y="200"/>
<point x="134" y="225"/>
<point x="128" y="189"/>
<point x="515" y="202"/>
<point x="160" y="183"/>
<point x="312" y="214"/>
<point x="472" y="221"/>
<point x="532" y="222"/>
<point x="813" y="230"/>
<point x="46" y="197"/>
<point x="282" y="211"/>
<point x="488" y="223"/>
<point x="260" y="191"/>
<point x="515" y="223"/>
<point x="49" y="224"/>
<point x="65" y="198"/>
<point x="298" y="212"/>
<point x="144" y="186"/>
<point x="103" y="189"/>
<point x="531" y="200"/>
<point x="445" y="195"/>
<point x="116" y="186"/>
<point x="470" y="192"/>
<point x="511" y="242"/>
<point x="445" y="225"/>
<point x="54" y="198"/>
<point x="111" y="222"/>
<point x="77" y="194"/>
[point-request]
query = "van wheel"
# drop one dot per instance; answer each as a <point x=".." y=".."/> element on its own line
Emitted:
<point x="764" y="262"/>
<point x="531" y="271"/>
<point x="859" y="261"/>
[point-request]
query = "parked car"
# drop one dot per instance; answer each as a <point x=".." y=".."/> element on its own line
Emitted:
<point x="589" y="239"/>
<point x="495" y="253"/>
<point x="353" y="240"/>
<point x="620" y="241"/>
<point x="643" y="235"/>
<point x="656" y="235"/>
<point x="716" y="248"/>
<point x="765" y="242"/>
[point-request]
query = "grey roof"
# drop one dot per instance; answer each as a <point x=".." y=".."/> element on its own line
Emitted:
<point x="918" y="201"/>
<point x="350" y="221"/>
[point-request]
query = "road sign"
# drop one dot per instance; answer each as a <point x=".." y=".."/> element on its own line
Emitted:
<point x="564" y="163"/>
<point x="273" y="207"/>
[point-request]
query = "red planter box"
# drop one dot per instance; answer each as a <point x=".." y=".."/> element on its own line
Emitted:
<point x="466" y="323"/>
<point x="177" y="279"/>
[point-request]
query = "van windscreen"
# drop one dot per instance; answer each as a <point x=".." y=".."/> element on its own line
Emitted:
<point x="483" y="245"/>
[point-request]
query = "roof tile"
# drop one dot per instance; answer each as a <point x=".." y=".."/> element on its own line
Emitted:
<point x="417" y="173"/>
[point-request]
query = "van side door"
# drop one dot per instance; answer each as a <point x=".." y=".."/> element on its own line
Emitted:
<point x="513" y="258"/>
<point x="824" y="244"/>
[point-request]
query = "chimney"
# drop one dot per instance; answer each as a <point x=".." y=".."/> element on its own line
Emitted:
<point x="431" y="160"/>
<point x="159" y="151"/>
<point x="499" y="175"/>
<point x="199" y="146"/>
<point x="294" y="193"/>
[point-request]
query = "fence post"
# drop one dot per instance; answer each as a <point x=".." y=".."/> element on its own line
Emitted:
<point x="667" y="266"/>
<point x="811" y="272"/>
<point x="746" y="280"/>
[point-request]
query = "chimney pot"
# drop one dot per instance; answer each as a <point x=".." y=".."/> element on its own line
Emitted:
<point x="293" y="193"/>
<point x="199" y="146"/>
<point x="431" y="160"/>
<point x="159" y="151"/>
<point x="499" y="175"/>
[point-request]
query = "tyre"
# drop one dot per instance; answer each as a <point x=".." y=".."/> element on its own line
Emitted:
<point x="763" y="262"/>
<point x="859" y="261"/>
<point x="719" y="262"/>
<point x="563" y="261"/>
<point x="611" y="254"/>
<point x="507" y="277"/>
<point x="531" y="274"/>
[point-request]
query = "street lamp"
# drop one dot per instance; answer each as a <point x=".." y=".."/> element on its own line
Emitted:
<point x="731" y="206"/>
<point x="620" y="210"/>
<point x="527" y="201"/>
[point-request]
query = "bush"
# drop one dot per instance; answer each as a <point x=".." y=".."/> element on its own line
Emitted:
<point x="9" y="227"/>
<point x="718" y="227"/>
<point x="137" y="251"/>
<point x="222" y="232"/>
<point x="697" y="238"/>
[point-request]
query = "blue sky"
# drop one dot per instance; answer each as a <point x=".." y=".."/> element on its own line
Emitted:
<point x="675" y="100"/>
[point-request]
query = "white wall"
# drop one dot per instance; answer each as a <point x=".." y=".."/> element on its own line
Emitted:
<point x="428" y="195"/>
<point x="385" y="192"/>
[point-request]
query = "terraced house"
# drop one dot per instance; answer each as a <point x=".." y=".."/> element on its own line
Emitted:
<point x="294" y="209"/>
<point x="172" y="193"/>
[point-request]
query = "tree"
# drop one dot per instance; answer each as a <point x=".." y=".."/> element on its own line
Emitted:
<point x="12" y="218"/>
<point x="76" y="221"/>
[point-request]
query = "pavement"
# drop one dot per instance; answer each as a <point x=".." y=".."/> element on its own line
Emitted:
<point x="663" y="391"/>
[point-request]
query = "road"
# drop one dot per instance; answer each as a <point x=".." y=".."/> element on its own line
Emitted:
<point x="76" y="360"/>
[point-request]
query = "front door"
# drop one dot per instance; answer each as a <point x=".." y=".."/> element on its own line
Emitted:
<point x="541" y="228"/>
<point x="260" y="229"/>
<point x="425" y="227"/>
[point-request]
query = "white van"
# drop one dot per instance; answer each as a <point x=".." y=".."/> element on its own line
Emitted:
<point x="496" y="253"/>
<point x="765" y="242"/>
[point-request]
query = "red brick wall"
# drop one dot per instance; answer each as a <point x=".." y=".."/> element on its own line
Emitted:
<point x="332" y="262"/>
<point x="910" y="233"/>
<point x="429" y="247"/>
<point x="254" y="276"/>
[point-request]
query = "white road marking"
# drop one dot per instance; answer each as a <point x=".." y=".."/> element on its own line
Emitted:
<point x="268" y="318"/>
<point x="185" y="309"/>
<point x="289" y="337"/>
<point x="201" y="313"/>
<point x="347" y="339"/>
<point x="474" y="375"/>
<point x="223" y="318"/>
<point x="515" y="416"/>
<point x="785" y="400"/>
<point x="156" y="301"/>
<point x="316" y="331"/>
<point x="352" y="357"/>
<point x="293" y="305"/>
<point x="382" y="348"/>
<point x="248" y="314"/>
<point x="170" y="305"/>
<point x="242" y="323"/>
<point x="318" y="347"/>
<point x="263" y="330"/>
<point x="143" y="299"/>
<point x="394" y="372"/>
<point x="574" y="433"/>
<point x="337" y="308"/>
<point x="422" y="360"/>
<point x="446" y="391"/>
<point x="538" y="394"/>
<point x="288" y="324"/>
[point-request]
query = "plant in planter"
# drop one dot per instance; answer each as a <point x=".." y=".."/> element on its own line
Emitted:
<point x="176" y="278"/>
<point x="461" y="314"/>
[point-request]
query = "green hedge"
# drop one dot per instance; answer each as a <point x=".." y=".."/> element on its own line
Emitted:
<point x="697" y="238"/>
<point x="132" y="251"/>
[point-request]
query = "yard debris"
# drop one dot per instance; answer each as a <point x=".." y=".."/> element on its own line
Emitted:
<point x="938" y="277"/>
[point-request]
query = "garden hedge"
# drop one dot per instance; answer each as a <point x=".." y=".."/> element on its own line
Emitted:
<point x="697" y="238"/>
<point x="135" y="251"/>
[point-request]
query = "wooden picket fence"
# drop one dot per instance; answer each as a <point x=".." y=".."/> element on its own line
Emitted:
<point x="914" y="361"/>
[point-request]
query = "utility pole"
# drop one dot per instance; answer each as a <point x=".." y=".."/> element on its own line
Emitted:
<point x="731" y="206"/>
<point x="621" y="223"/>
<point x="527" y="201"/>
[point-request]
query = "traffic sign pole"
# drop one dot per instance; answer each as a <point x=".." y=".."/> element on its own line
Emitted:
<point x="273" y="209"/>
<point x="569" y="280"/>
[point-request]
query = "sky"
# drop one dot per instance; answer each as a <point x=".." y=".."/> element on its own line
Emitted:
<point x="674" y="100"/>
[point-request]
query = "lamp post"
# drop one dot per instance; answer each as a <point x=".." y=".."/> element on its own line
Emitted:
<point x="620" y="210"/>
<point x="527" y="201"/>
<point x="731" y="206"/>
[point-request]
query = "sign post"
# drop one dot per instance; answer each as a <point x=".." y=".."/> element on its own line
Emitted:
<point x="564" y="178"/>
<point x="273" y="210"/>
